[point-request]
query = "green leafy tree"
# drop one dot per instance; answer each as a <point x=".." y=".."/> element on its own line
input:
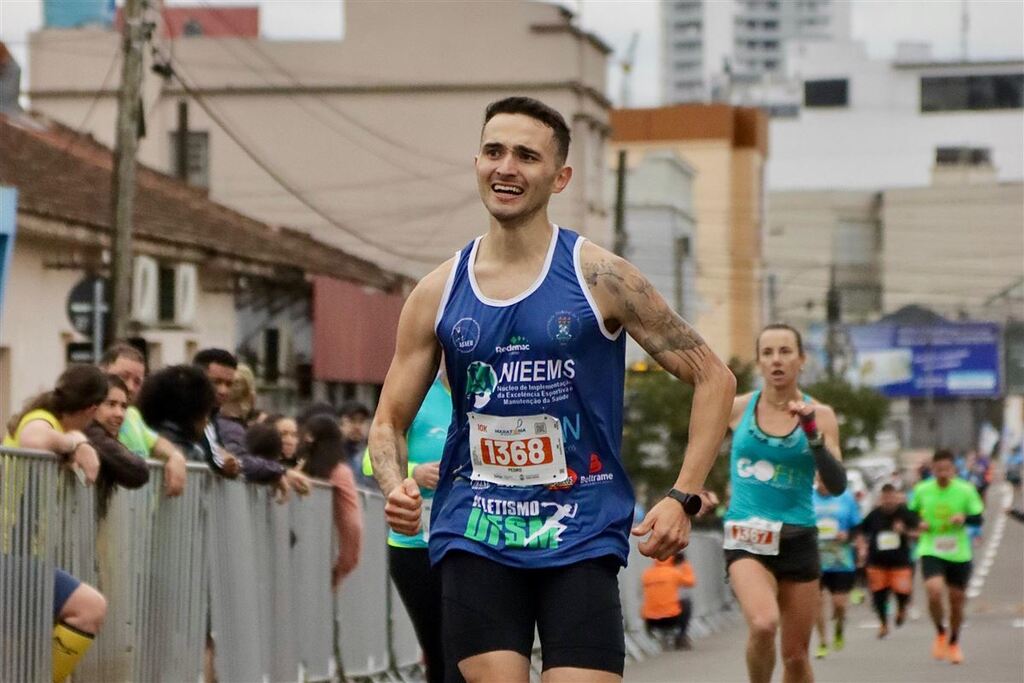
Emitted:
<point x="656" y="429"/>
<point x="861" y="411"/>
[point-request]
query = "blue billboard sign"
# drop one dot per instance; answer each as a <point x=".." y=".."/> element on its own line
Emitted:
<point x="8" y="227"/>
<point x="916" y="361"/>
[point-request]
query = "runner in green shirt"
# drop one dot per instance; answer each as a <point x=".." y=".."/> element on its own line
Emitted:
<point x="945" y="504"/>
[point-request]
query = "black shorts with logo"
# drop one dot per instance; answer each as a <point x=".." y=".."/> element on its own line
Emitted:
<point x="487" y="606"/>
<point x="957" y="574"/>
<point x="797" y="559"/>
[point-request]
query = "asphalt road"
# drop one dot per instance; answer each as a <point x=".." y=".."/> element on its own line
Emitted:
<point x="992" y="640"/>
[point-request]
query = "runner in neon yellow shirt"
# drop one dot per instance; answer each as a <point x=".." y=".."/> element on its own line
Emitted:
<point x="946" y="503"/>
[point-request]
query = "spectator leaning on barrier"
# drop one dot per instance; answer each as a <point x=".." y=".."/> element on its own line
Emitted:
<point x="354" y="421"/>
<point x="324" y="458"/>
<point x="128" y="363"/>
<point x="288" y="430"/>
<point x="177" y="402"/>
<point x="225" y="433"/>
<point x="118" y="465"/>
<point x="240" y="405"/>
<point x="53" y="421"/>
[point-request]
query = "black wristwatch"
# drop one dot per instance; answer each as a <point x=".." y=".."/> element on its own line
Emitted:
<point x="691" y="502"/>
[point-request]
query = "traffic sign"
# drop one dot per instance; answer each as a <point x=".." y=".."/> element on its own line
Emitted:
<point x="82" y="304"/>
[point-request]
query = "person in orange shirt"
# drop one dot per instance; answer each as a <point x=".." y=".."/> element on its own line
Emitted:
<point x="663" y="610"/>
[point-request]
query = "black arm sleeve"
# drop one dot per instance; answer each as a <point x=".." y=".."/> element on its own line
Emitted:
<point x="831" y="470"/>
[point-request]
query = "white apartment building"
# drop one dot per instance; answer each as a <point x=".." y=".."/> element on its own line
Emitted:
<point x="718" y="50"/>
<point x="904" y="179"/>
<point x="861" y="123"/>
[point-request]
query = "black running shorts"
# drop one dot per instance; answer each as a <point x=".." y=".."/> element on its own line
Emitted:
<point x="957" y="574"/>
<point x="487" y="606"/>
<point x="838" y="582"/>
<point x="797" y="560"/>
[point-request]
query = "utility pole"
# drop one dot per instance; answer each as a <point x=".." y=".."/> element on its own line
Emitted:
<point x="620" y="206"/>
<point x="129" y="113"/>
<point x="833" y="314"/>
<point x="181" y="148"/>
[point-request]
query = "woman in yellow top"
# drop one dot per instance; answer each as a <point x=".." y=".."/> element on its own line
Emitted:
<point x="53" y="421"/>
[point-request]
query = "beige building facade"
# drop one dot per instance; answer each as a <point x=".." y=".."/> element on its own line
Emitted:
<point x="366" y="142"/>
<point x="955" y="247"/>
<point x="726" y="147"/>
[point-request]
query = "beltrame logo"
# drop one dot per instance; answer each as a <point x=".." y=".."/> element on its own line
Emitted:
<point x="516" y="344"/>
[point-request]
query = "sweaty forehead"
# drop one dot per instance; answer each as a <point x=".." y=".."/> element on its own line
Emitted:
<point x="518" y="129"/>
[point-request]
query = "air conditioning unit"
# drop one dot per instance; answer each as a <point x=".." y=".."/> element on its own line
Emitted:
<point x="145" y="290"/>
<point x="186" y="293"/>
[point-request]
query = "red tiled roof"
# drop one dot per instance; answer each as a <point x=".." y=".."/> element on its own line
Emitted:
<point x="66" y="176"/>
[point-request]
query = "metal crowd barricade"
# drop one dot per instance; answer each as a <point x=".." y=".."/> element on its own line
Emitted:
<point x="226" y="556"/>
<point x="361" y="608"/>
<point x="28" y="540"/>
<point x="311" y="566"/>
<point x="712" y="598"/>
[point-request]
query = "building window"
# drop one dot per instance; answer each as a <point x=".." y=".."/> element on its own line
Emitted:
<point x="198" y="153"/>
<point x="165" y="294"/>
<point x="271" y="354"/>
<point x="972" y="93"/>
<point x="828" y="93"/>
<point x="963" y="156"/>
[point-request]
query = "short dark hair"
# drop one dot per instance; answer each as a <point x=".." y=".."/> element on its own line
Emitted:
<point x="888" y="488"/>
<point x="263" y="440"/>
<point x="535" y="109"/>
<point x="352" y="408"/>
<point x="318" y="408"/>
<point x="121" y="350"/>
<point x="115" y="382"/>
<point x="780" y="326"/>
<point x="179" y="394"/>
<point x="943" y="454"/>
<point x="219" y="356"/>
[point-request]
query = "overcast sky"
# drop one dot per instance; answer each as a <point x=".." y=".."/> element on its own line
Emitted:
<point x="995" y="28"/>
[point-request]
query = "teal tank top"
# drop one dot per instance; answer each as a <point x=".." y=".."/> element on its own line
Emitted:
<point x="772" y="476"/>
<point x="426" y="437"/>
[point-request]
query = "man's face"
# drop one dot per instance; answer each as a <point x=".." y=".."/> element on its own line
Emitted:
<point x="221" y="377"/>
<point x="131" y="372"/>
<point x="517" y="169"/>
<point x="355" y="427"/>
<point x="889" y="500"/>
<point x="944" y="471"/>
<point x="110" y="414"/>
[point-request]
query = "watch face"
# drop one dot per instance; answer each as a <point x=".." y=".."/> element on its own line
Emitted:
<point x="692" y="505"/>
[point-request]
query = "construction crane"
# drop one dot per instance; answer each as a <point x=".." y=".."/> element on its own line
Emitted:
<point x="627" y="69"/>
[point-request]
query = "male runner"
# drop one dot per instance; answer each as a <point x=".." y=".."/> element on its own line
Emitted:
<point x="837" y="517"/>
<point x="946" y="503"/>
<point x="532" y="511"/>
<point x="886" y="534"/>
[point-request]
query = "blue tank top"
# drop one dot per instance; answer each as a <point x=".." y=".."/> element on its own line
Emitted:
<point x="543" y="352"/>
<point x="772" y="477"/>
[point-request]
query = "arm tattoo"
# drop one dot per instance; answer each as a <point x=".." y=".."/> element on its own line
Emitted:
<point x="657" y="328"/>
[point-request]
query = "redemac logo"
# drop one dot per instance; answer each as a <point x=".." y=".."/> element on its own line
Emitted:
<point x="516" y="344"/>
